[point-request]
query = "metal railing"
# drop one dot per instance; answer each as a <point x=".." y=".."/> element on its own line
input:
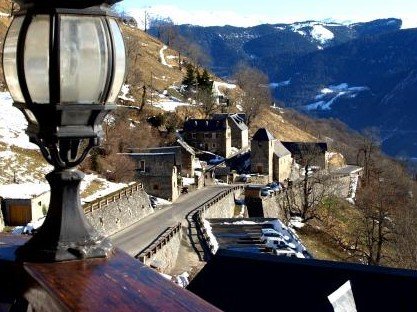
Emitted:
<point x="112" y="197"/>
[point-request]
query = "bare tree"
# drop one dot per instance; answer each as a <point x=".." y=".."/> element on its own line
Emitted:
<point x="207" y="102"/>
<point x="256" y="93"/>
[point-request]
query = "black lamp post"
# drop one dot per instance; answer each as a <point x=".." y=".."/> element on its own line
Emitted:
<point x="64" y="63"/>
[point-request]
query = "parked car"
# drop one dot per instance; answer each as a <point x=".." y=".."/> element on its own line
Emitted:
<point x="284" y="252"/>
<point x="274" y="186"/>
<point x="268" y="233"/>
<point x="266" y="191"/>
<point x="275" y="243"/>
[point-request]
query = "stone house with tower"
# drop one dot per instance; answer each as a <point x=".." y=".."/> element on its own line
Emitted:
<point x="269" y="157"/>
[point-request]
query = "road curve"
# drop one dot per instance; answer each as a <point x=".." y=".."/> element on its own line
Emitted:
<point x="139" y="235"/>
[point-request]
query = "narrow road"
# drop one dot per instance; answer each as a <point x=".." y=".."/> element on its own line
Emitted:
<point x="139" y="235"/>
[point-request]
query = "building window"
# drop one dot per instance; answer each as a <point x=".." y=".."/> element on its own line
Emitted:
<point x="218" y="135"/>
<point x="142" y="166"/>
<point x="156" y="186"/>
<point x="207" y="135"/>
<point x="193" y="135"/>
<point x="214" y="145"/>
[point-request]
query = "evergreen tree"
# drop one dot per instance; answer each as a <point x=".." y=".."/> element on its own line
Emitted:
<point x="190" y="79"/>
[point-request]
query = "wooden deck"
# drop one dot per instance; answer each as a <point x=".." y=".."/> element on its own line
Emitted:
<point x="118" y="283"/>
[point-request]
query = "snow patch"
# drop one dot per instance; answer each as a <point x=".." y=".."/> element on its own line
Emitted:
<point x="280" y="84"/>
<point x="106" y="187"/>
<point x="125" y="91"/>
<point x="23" y="190"/>
<point x="212" y="238"/>
<point x="330" y="94"/>
<point x="217" y="85"/>
<point x="321" y="34"/>
<point x="13" y="124"/>
<point x="162" y="56"/>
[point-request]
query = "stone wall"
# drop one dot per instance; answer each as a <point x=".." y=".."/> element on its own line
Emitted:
<point x="1" y="221"/>
<point x="163" y="253"/>
<point x="265" y="206"/>
<point x="121" y="209"/>
<point x="221" y="207"/>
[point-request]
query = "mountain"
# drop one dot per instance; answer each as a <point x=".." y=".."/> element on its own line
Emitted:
<point x="363" y="74"/>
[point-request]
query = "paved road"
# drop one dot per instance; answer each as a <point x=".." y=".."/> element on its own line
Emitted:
<point x="139" y="235"/>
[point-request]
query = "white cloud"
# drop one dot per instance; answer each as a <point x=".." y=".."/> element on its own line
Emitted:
<point x="228" y="17"/>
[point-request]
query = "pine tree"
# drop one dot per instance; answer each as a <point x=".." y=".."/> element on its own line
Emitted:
<point x="190" y="79"/>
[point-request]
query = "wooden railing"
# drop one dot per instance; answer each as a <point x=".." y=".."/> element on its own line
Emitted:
<point x="112" y="197"/>
<point x="160" y="242"/>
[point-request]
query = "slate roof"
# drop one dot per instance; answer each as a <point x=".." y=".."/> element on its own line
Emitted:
<point x="263" y="135"/>
<point x="187" y="147"/>
<point x="300" y="148"/>
<point x="204" y="125"/>
<point x="238" y="119"/>
<point x="280" y="150"/>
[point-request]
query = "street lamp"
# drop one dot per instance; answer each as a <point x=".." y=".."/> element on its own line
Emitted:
<point x="64" y="64"/>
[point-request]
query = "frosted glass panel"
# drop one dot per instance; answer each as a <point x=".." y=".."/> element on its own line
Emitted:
<point x="9" y="60"/>
<point x="37" y="59"/>
<point x="83" y="58"/>
<point x="120" y="61"/>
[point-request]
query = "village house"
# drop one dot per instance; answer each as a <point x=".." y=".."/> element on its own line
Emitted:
<point x="269" y="157"/>
<point x="308" y="153"/>
<point x="158" y="173"/>
<point x="238" y="127"/>
<point x="23" y="203"/>
<point x="209" y="135"/>
<point x="185" y="159"/>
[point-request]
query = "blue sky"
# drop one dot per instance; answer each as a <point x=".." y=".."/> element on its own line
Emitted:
<point x="249" y="13"/>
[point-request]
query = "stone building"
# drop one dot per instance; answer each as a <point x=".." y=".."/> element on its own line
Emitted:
<point x="23" y="203"/>
<point x="209" y="135"/>
<point x="282" y="162"/>
<point x="269" y="157"/>
<point x="308" y="153"/>
<point x="239" y="129"/>
<point x="158" y="173"/>
<point x="185" y="159"/>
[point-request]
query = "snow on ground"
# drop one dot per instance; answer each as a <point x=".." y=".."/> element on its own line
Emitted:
<point x="13" y="124"/>
<point x="162" y="56"/>
<point x="217" y="85"/>
<point x="280" y="84"/>
<point x="188" y="181"/>
<point x="23" y="190"/>
<point x="297" y="222"/>
<point x="330" y="94"/>
<point x="321" y="34"/>
<point x="28" y="228"/>
<point x="212" y="238"/>
<point x="316" y="30"/>
<point x="169" y="105"/>
<point x="354" y="181"/>
<point x="157" y="201"/>
<point x="241" y="222"/>
<point x="105" y="187"/>
<point x="125" y="94"/>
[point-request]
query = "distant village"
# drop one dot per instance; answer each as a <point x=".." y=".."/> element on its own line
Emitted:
<point x="219" y="150"/>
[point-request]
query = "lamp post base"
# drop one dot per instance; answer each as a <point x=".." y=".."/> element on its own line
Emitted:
<point x="66" y="234"/>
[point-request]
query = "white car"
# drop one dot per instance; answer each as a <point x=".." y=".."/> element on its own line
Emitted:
<point x="275" y="243"/>
<point x="270" y="233"/>
<point x="285" y="252"/>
